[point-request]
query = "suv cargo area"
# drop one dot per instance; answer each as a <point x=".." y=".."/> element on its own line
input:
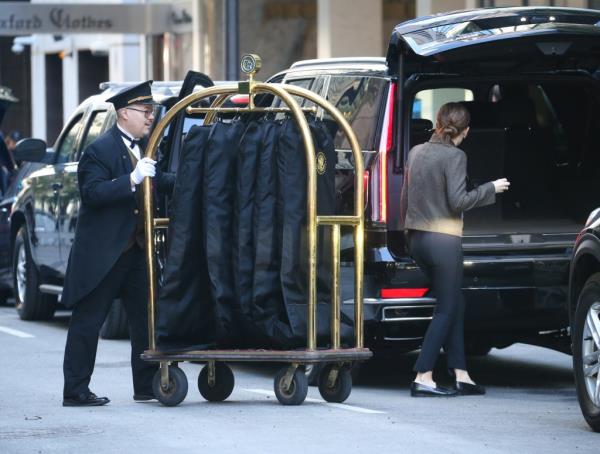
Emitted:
<point x="538" y="133"/>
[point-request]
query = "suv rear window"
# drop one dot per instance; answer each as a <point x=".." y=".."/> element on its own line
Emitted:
<point x="428" y="102"/>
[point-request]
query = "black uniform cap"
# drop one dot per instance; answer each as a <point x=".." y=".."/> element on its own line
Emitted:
<point x="138" y="94"/>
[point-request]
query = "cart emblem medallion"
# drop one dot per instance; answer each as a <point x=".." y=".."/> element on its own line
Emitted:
<point x="321" y="163"/>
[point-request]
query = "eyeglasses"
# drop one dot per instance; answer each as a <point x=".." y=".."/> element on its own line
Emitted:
<point x="147" y="113"/>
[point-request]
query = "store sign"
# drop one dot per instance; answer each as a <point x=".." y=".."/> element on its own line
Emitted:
<point x="29" y="18"/>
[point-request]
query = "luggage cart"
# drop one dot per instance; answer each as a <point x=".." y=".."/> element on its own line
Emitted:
<point x="216" y="380"/>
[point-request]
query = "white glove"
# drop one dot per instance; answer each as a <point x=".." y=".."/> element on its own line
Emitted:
<point x="501" y="185"/>
<point x="144" y="168"/>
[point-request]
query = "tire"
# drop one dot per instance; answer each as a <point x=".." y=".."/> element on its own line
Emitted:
<point x="177" y="390"/>
<point x="223" y="386"/>
<point x="31" y="304"/>
<point x="296" y="393"/>
<point x="314" y="370"/>
<point x="586" y="341"/>
<point x="340" y="391"/>
<point x="115" y="326"/>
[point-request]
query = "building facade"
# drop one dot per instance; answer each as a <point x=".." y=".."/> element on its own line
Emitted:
<point x="54" y="54"/>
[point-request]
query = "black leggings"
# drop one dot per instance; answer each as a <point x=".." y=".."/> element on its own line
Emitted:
<point x="440" y="257"/>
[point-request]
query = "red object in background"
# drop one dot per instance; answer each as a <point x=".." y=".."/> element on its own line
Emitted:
<point x="240" y="99"/>
<point x="403" y="292"/>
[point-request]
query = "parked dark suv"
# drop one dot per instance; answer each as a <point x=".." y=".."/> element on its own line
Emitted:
<point x="530" y="79"/>
<point x="40" y="210"/>
<point x="584" y="308"/>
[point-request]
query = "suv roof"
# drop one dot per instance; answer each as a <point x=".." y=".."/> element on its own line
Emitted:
<point x="501" y="16"/>
<point x="160" y="90"/>
<point x="346" y="65"/>
<point x="345" y="62"/>
<point x="497" y="40"/>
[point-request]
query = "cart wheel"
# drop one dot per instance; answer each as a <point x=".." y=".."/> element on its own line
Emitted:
<point x="342" y="387"/>
<point x="177" y="390"/>
<point x="297" y="391"/>
<point x="222" y="387"/>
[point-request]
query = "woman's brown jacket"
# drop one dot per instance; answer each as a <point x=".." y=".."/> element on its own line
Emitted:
<point x="434" y="192"/>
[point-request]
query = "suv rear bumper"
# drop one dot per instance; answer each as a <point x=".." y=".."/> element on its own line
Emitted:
<point x="507" y="298"/>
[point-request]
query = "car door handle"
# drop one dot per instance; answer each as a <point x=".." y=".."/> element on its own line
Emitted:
<point x="57" y="186"/>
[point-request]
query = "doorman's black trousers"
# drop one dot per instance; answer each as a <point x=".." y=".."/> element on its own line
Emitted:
<point x="128" y="280"/>
<point x="440" y="256"/>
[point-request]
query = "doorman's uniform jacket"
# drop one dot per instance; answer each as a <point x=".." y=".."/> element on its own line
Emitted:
<point x="108" y="214"/>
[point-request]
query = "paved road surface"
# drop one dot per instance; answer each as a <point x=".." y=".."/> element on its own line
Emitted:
<point x="530" y="407"/>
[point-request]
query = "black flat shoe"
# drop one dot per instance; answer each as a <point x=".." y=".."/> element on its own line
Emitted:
<point x="85" y="400"/>
<point x="419" y="390"/>
<point x="467" y="389"/>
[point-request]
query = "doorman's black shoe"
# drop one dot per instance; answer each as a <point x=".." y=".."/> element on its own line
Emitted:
<point x="419" y="390"/>
<point x="85" y="400"/>
<point x="467" y="389"/>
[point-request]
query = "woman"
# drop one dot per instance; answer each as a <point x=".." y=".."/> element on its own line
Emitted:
<point x="434" y="197"/>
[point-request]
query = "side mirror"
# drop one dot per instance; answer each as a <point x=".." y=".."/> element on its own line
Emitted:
<point x="30" y="150"/>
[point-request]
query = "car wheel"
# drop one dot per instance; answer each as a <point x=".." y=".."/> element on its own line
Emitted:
<point x="31" y="304"/>
<point x="115" y="326"/>
<point x="586" y="351"/>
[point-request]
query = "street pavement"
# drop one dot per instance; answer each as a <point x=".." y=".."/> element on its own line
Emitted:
<point x="530" y="407"/>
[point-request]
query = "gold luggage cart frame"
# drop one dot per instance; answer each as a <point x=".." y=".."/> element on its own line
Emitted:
<point x="216" y="380"/>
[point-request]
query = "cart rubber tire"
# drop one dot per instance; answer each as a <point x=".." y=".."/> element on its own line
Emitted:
<point x="224" y="383"/>
<point x="341" y="388"/>
<point x="298" y="390"/>
<point x="178" y="387"/>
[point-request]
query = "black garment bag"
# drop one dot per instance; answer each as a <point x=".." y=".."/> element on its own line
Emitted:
<point x="219" y="193"/>
<point x="268" y="317"/>
<point x="186" y="313"/>
<point x="292" y="227"/>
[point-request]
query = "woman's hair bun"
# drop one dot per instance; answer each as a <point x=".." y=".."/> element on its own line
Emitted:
<point x="451" y="120"/>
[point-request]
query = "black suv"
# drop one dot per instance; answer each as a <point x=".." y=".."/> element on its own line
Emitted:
<point x="39" y="213"/>
<point x="584" y="309"/>
<point x="530" y="79"/>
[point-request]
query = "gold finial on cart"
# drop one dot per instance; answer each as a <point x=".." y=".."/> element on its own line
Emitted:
<point x="250" y="65"/>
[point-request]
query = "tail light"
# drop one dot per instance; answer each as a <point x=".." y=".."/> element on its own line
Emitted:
<point x="387" y="293"/>
<point x="379" y="179"/>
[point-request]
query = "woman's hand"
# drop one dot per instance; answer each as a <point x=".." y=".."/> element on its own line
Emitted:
<point x="501" y="185"/>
